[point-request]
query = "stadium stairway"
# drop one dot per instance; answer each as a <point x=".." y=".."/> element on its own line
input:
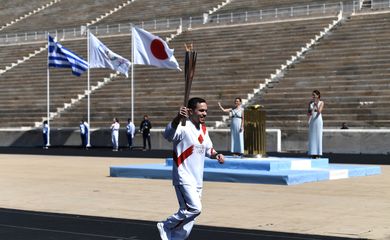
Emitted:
<point x="13" y="55"/>
<point x="63" y="14"/>
<point x="227" y="67"/>
<point x="111" y="12"/>
<point x="75" y="13"/>
<point x="25" y="85"/>
<point x="351" y="70"/>
<point x="13" y="10"/>
<point x="225" y="63"/>
<point x="146" y="11"/>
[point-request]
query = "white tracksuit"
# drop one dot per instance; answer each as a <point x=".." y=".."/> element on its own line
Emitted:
<point x="115" y="135"/>
<point x="190" y="146"/>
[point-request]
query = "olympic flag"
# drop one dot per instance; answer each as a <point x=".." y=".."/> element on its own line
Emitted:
<point x="101" y="56"/>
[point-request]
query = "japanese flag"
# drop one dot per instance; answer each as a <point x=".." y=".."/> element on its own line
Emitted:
<point x="152" y="50"/>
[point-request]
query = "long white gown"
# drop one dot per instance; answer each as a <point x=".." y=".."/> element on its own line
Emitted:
<point x="237" y="137"/>
<point x="315" y="131"/>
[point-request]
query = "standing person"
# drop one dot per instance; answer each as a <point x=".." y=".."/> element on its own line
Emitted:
<point x="145" y="127"/>
<point x="87" y="135"/>
<point x="130" y="130"/>
<point x="45" y="134"/>
<point x="315" y="124"/>
<point x="191" y="144"/>
<point x="344" y="125"/>
<point x="84" y="133"/>
<point x="115" y="126"/>
<point x="236" y="126"/>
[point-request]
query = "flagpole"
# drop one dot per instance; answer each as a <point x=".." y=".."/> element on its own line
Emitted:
<point x="48" y="98"/>
<point x="48" y="93"/>
<point x="132" y="74"/>
<point x="88" y="89"/>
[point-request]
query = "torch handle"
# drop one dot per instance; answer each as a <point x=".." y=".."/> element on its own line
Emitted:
<point x="189" y="70"/>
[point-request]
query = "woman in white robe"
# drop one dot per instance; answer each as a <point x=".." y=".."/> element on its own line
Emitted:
<point x="315" y="109"/>
<point x="236" y="126"/>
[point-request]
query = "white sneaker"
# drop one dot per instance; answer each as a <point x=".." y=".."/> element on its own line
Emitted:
<point x="164" y="232"/>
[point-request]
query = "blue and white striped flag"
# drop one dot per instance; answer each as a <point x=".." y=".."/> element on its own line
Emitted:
<point x="62" y="57"/>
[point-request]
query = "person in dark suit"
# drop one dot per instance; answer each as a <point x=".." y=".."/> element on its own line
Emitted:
<point x="145" y="127"/>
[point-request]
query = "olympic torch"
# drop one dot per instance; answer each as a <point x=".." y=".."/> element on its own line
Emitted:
<point x="189" y="70"/>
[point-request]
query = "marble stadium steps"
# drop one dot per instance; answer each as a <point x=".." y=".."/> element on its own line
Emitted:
<point x="353" y="78"/>
<point x="332" y="83"/>
<point x="29" y="85"/>
<point x="343" y="36"/>
<point x="281" y="171"/>
<point x="146" y="10"/>
<point x="77" y="13"/>
<point x="11" y="54"/>
<point x="11" y="10"/>
<point x="28" y="89"/>
<point x="228" y="75"/>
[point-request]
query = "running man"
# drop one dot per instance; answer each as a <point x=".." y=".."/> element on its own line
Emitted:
<point x="191" y="144"/>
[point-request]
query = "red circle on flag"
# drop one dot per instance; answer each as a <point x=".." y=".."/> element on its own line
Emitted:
<point x="158" y="49"/>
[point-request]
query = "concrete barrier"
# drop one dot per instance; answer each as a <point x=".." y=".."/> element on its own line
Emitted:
<point x="102" y="138"/>
<point x="368" y="141"/>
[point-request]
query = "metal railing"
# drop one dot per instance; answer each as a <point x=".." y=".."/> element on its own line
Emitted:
<point x="364" y="6"/>
<point x="79" y="32"/>
<point x="173" y="24"/>
<point x="277" y="14"/>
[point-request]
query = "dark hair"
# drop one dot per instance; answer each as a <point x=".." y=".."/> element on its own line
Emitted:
<point x="317" y="93"/>
<point x="128" y="119"/>
<point x="45" y="122"/>
<point x="238" y="99"/>
<point x="193" y="102"/>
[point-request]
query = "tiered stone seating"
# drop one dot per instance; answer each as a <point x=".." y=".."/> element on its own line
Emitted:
<point x="23" y="101"/>
<point x="147" y="10"/>
<point x="351" y="73"/>
<point x="350" y="68"/>
<point x="113" y="100"/>
<point x="23" y="98"/>
<point x="227" y="67"/>
<point x="10" y="10"/>
<point x="12" y="53"/>
<point x="64" y="14"/>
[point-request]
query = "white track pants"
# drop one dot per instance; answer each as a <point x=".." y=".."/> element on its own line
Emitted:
<point x="114" y="139"/>
<point x="190" y="206"/>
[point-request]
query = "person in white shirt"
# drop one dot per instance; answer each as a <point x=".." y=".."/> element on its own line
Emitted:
<point x="115" y="126"/>
<point x="45" y="134"/>
<point x="130" y="131"/>
<point x="87" y="135"/>
<point x="84" y="133"/>
<point x="191" y="144"/>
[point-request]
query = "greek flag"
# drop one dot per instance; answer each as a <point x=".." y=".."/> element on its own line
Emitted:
<point x="62" y="57"/>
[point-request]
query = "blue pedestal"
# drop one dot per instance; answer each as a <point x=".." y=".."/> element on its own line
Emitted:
<point x="273" y="170"/>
